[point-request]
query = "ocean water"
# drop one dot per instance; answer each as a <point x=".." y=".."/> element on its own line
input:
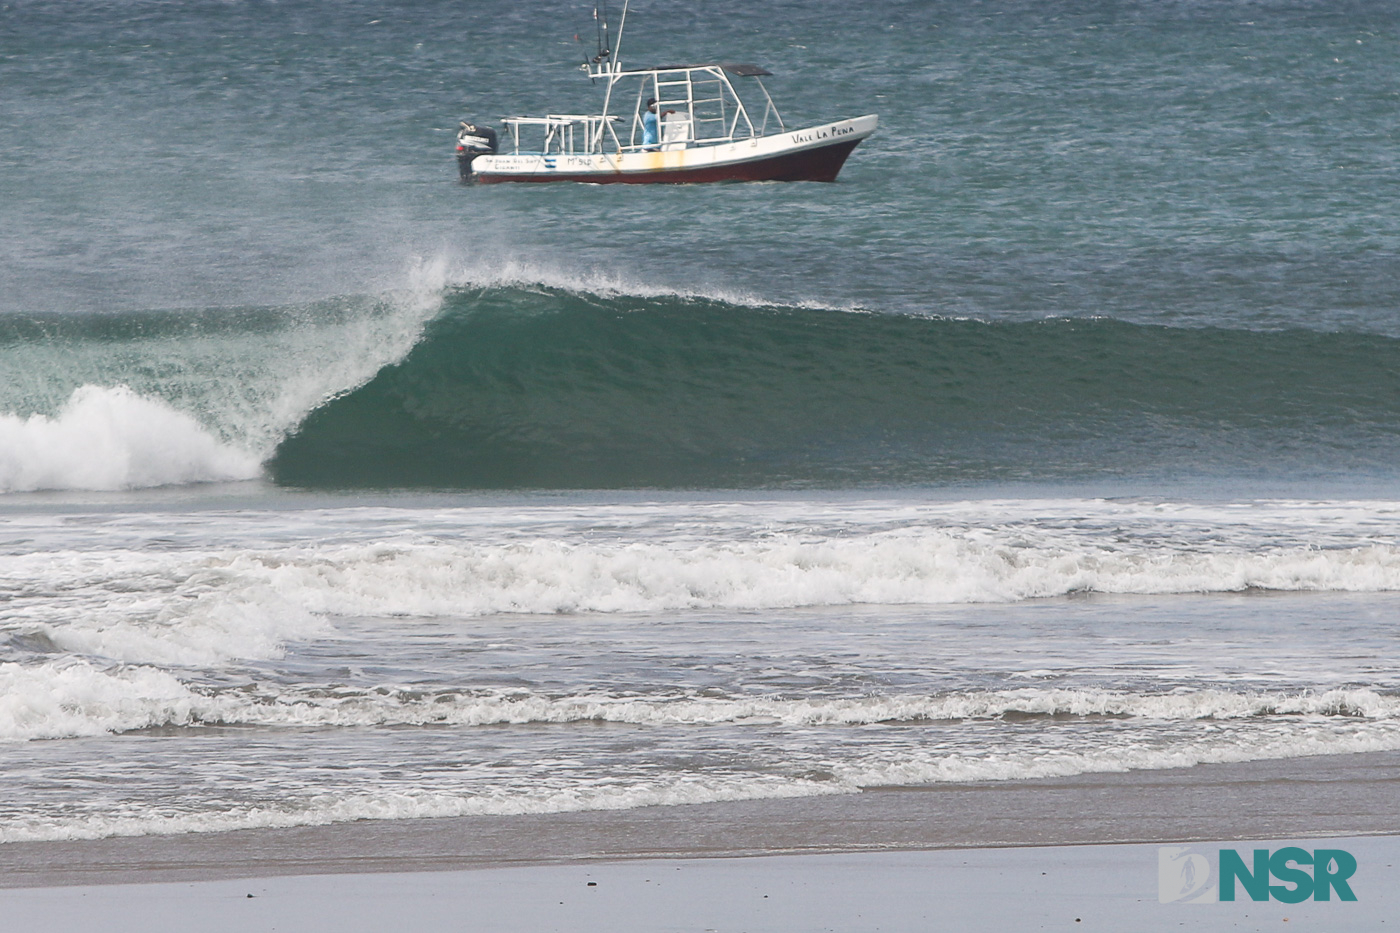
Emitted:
<point x="1060" y="435"/>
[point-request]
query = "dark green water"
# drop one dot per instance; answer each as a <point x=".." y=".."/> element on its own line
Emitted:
<point x="552" y="388"/>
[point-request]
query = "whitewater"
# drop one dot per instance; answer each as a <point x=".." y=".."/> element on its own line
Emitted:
<point x="573" y="651"/>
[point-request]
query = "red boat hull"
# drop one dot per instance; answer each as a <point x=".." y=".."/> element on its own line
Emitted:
<point x="821" y="164"/>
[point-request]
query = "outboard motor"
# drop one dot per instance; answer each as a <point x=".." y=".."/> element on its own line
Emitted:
<point x="473" y="140"/>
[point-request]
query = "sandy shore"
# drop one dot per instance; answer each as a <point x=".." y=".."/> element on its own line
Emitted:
<point x="1343" y="795"/>
<point x="1110" y="888"/>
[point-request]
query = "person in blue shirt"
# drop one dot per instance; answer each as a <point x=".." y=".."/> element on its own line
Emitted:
<point x="651" y="126"/>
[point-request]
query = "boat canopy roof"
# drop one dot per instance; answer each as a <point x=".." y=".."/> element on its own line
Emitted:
<point x="734" y="68"/>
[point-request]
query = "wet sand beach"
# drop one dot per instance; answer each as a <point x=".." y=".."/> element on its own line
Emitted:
<point x="1323" y="796"/>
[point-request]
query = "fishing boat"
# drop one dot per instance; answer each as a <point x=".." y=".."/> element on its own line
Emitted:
<point x="688" y="123"/>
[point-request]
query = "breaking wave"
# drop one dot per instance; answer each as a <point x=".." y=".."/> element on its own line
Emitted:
<point x="137" y="399"/>
<point x="209" y="608"/>
<point x="112" y="438"/>
<point x="74" y="698"/>
<point x="518" y="385"/>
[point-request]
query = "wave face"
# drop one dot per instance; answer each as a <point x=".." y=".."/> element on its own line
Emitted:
<point x="521" y="387"/>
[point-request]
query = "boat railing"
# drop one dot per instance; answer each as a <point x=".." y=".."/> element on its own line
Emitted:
<point x="769" y="109"/>
<point x="703" y="98"/>
<point x="562" y="132"/>
<point x="696" y="105"/>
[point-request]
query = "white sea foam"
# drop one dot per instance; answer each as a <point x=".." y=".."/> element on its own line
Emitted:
<point x="413" y="803"/>
<point x="205" y="606"/>
<point x="150" y="607"/>
<point x="919" y="568"/>
<point x="68" y="698"/>
<point x="311" y="803"/>
<point x="397" y="706"/>
<point x="1012" y="764"/>
<point x="112" y="438"/>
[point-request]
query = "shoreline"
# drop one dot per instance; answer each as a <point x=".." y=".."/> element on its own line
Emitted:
<point x="1108" y="888"/>
<point x="1314" y="797"/>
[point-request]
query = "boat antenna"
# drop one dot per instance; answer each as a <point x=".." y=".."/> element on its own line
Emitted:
<point x="622" y="23"/>
<point x="614" y="69"/>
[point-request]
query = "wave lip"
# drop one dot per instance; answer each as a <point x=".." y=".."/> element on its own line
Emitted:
<point x="110" y="438"/>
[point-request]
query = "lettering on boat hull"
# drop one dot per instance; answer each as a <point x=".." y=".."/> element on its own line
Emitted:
<point x="815" y="154"/>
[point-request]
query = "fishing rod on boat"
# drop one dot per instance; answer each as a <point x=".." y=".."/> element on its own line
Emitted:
<point x="600" y="25"/>
<point x="607" y="37"/>
<point x="600" y="29"/>
<point x="586" y="66"/>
